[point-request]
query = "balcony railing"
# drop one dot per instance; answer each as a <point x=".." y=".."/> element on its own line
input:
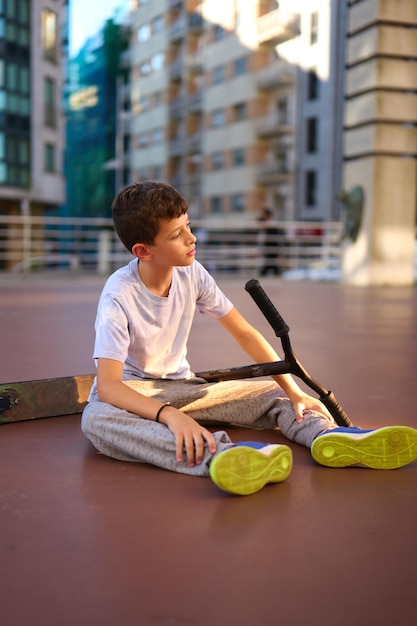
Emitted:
<point x="272" y="174"/>
<point x="273" y="125"/>
<point x="177" y="29"/>
<point x="277" y="27"/>
<point x="90" y="245"/>
<point x="279" y="74"/>
<point x="194" y="101"/>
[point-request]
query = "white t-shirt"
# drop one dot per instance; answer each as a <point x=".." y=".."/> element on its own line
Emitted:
<point x="149" y="333"/>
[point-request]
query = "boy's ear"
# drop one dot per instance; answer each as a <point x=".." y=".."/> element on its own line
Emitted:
<point x="141" y="251"/>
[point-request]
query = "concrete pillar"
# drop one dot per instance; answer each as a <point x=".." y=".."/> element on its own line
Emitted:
<point x="104" y="251"/>
<point x="380" y="140"/>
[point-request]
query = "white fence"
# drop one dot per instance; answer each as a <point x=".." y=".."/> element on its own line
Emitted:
<point x="86" y="244"/>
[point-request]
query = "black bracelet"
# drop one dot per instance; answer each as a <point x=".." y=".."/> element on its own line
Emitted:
<point x="161" y="408"/>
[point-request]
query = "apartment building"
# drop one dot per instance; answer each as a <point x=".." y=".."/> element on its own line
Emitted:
<point x="239" y="104"/>
<point x="318" y="56"/>
<point x="32" y="38"/>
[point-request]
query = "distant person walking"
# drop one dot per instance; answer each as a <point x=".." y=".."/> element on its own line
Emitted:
<point x="268" y="243"/>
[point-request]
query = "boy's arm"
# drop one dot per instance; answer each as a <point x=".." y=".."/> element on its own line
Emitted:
<point x="261" y="351"/>
<point x="111" y="389"/>
<point x="188" y="433"/>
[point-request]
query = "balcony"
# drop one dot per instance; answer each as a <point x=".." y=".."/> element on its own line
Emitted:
<point x="193" y="142"/>
<point x="176" y="107"/>
<point x="195" y="101"/>
<point x="177" y="29"/>
<point x="273" y="174"/>
<point x="277" y="27"/>
<point x="273" y="126"/>
<point x="279" y="74"/>
<point x="175" y="69"/>
<point x="195" y="22"/>
<point x="194" y="63"/>
<point x="175" y="147"/>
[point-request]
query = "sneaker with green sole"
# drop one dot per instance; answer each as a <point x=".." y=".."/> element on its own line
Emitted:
<point x="390" y="447"/>
<point x="247" y="467"/>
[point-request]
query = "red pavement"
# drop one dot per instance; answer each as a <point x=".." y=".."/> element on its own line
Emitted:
<point x="87" y="540"/>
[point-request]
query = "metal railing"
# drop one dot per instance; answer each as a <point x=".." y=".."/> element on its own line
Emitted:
<point x="29" y="243"/>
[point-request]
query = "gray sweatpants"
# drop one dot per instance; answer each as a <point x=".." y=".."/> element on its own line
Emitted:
<point x="258" y="404"/>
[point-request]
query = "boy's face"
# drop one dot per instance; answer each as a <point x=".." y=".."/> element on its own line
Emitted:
<point x="174" y="243"/>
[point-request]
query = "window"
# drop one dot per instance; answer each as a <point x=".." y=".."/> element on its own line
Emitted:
<point x="240" y="66"/>
<point x="219" y="32"/>
<point x="11" y="76"/>
<point x="145" y="68"/>
<point x="24" y="12"/>
<point x="144" y="103"/>
<point x="312" y="85"/>
<point x="195" y="20"/>
<point x="282" y="109"/>
<point x="49" y="157"/>
<point x="143" y="140"/>
<point x="282" y="159"/>
<point x="216" y="204"/>
<point x="49" y="102"/>
<point x="12" y="102"/>
<point x="311" y="134"/>
<point x="11" y="9"/>
<point x="24" y="153"/>
<point x="239" y="112"/>
<point x="157" y="24"/>
<point x="218" y="118"/>
<point x="238" y="157"/>
<point x="314" y="27"/>
<point x="217" y="160"/>
<point x="218" y="75"/>
<point x="311" y="188"/>
<point x="157" y="135"/>
<point x="156" y="172"/>
<point x="24" y="80"/>
<point x="23" y="36"/>
<point x="24" y="106"/>
<point x="144" y="33"/>
<point x="157" y="61"/>
<point x="49" y="34"/>
<point x="11" y="31"/>
<point x="12" y="148"/>
<point x="238" y="203"/>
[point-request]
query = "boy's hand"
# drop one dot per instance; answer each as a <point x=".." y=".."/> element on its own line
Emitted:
<point x="188" y="433"/>
<point x="304" y="405"/>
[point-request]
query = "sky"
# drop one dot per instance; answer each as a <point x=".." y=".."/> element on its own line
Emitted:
<point x="86" y="18"/>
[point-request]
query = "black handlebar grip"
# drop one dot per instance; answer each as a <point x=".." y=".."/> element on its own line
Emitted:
<point x="335" y="410"/>
<point x="255" y="290"/>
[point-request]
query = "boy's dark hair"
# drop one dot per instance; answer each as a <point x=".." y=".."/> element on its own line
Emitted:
<point x="138" y="208"/>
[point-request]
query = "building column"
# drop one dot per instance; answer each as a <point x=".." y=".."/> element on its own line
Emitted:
<point x="380" y="140"/>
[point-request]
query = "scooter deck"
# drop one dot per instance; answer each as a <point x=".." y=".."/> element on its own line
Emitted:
<point x="49" y="397"/>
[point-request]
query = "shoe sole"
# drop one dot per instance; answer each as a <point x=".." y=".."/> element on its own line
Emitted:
<point x="386" y="448"/>
<point x="243" y="470"/>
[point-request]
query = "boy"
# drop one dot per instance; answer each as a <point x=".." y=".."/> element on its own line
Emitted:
<point x="146" y="405"/>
